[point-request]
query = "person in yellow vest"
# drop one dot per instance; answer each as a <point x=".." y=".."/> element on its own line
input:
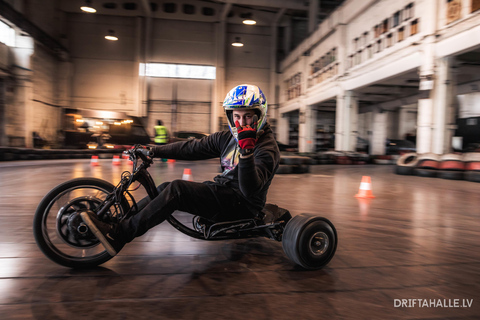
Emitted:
<point x="161" y="133"/>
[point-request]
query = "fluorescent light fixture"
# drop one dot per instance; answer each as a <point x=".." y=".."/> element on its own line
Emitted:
<point x="184" y="71"/>
<point x="111" y="36"/>
<point x="7" y="34"/>
<point x="88" y="7"/>
<point x="237" y="42"/>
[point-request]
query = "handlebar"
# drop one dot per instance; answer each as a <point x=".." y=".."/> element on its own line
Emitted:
<point x="145" y="153"/>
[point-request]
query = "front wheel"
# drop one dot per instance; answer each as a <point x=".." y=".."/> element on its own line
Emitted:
<point x="309" y="241"/>
<point x="59" y="230"/>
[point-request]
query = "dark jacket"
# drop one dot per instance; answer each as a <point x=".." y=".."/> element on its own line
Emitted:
<point x="251" y="177"/>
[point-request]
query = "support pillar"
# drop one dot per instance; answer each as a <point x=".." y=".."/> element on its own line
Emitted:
<point x="443" y="112"/>
<point x="379" y="135"/>
<point x="346" y="122"/>
<point x="424" y="125"/>
<point x="306" y="130"/>
<point x="283" y="128"/>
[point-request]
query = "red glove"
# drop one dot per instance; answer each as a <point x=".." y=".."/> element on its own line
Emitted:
<point x="247" y="136"/>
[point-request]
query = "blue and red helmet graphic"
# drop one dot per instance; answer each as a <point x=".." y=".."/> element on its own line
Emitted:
<point x="246" y="96"/>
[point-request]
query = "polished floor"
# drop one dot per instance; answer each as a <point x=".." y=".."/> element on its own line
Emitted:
<point x="418" y="239"/>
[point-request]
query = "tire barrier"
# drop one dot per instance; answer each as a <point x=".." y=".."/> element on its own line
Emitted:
<point x="294" y="164"/>
<point x="406" y="164"/>
<point x="427" y="165"/>
<point x="451" y="167"/>
<point x="472" y="166"/>
<point x="473" y="176"/>
<point x="15" y="154"/>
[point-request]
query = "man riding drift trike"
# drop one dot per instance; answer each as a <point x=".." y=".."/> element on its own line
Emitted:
<point x="230" y="206"/>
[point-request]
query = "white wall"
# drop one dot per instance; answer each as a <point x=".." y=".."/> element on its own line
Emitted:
<point x="250" y="63"/>
<point x="104" y="73"/>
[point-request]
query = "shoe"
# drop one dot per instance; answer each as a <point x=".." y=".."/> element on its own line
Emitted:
<point x="104" y="232"/>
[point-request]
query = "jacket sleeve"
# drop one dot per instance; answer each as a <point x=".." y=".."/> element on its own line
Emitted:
<point x="197" y="149"/>
<point x="256" y="171"/>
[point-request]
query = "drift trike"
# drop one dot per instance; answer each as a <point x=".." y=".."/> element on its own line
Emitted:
<point x="308" y="240"/>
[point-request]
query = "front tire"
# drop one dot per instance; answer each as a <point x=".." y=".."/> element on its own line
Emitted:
<point x="310" y="241"/>
<point x="59" y="230"/>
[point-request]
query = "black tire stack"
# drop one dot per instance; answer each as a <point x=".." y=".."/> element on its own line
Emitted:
<point x="294" y="164"/>
<point x="472" y="166"/>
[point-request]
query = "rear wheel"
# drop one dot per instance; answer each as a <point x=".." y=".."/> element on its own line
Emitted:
<point x="59" y="230"/>
<point x="310" y="241"/>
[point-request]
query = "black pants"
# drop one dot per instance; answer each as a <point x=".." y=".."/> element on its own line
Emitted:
<point x="209" y="200"/>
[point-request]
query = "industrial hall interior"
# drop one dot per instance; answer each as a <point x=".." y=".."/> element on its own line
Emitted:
<point x="372" y="211"/>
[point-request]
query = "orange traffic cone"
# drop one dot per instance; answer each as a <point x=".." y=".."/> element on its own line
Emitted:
<point x="365" y="190"/>
<point x="187" y="175"/>
<point x="94" y="161"/>
<point x="116" y="161"/>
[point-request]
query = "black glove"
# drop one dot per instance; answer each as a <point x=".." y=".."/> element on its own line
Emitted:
<point x="247" y="136"/>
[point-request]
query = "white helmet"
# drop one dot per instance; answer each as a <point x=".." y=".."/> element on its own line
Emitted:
<point x="245" y="96"/>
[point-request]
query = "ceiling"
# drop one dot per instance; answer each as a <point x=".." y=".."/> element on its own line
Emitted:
<point x="264" y="11"/>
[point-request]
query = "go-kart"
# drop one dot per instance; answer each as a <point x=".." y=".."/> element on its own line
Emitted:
<point x="308" y="240"/>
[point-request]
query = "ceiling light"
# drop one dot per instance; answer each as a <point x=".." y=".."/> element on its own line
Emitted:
<point x="88" y="7"/>
<point x="237" y="42"/>
<point x="249" y="19"/>
<point x="111" y="36"/>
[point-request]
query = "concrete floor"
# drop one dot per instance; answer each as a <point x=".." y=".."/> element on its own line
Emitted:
<point x="418" y="239"/>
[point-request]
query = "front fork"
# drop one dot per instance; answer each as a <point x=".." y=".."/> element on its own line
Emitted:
<point x="143" y="177"/>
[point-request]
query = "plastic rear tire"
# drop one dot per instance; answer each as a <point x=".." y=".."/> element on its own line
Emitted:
<point x="310" y="241"/>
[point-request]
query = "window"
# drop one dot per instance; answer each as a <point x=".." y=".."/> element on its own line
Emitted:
<point x="408" y="11"/>
<point x="454" y="8"/>
<point x="355" y="44"/>
<point x="206" y="11"/>
<point x="389" y="40"/>
<point x="369" y="51"/>
<point x="7" y="34"/>
<point x="401" y="34"/>
<point x="414" y="27"/>
<point x="316" y="66"/>
<point x="379" y="45"/>
<point x="359" y="57"/>
<point x="396" y="19"/>
<point x="385" y="26"/>
<point x="170" y="7"/>
<point x="365" y="38"/>
<point x="188" y="9"/>
<point x="377" y="30"/>
<point x="475" y="5"/>
<point x="164" y="70"/>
